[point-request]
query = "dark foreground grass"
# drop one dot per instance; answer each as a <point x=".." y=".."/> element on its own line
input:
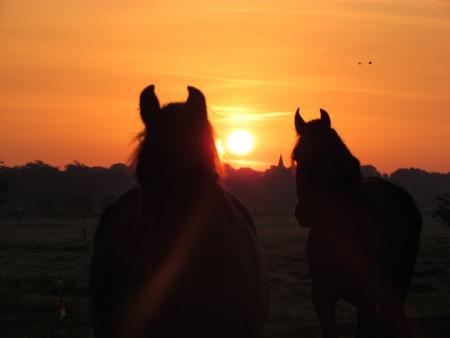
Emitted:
<point x="34" y="257"/>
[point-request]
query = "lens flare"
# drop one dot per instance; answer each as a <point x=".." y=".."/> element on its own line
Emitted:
<point x="220" y="148"/>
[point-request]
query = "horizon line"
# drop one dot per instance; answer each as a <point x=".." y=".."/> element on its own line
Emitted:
<point x="227" y="162"/>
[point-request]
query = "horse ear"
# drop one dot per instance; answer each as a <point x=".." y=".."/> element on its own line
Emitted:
<point x="148" y="105"/>
<point x="196" y="102"/>
<point x="325" y="118"/>
<point x="299" y="122"/>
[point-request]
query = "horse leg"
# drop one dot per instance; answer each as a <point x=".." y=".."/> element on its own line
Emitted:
<point x="404" y="329"/>
<point x="325" y="305"/>
<point x="368" y="325"/>
<point x="400" y="324"/>
<point x="394" y="322"/>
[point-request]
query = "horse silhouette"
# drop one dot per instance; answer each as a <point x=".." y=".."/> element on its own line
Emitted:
<point x="364" y="237"/>
<point x="177" y="256"/>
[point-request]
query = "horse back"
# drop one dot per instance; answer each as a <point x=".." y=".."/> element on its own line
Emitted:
<point x="217" y="282"/>
<point x="400" y="224"/>
<point x="395" y="202"/>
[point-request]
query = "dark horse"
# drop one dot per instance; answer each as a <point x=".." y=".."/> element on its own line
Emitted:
<point x="177" y="256"/>
<point x="364" y="236"/>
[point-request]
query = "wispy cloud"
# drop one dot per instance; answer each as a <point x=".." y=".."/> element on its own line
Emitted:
<point x="255" y="10"/>
<point x="249" y="163"/>
<point x="244" y="114"/>
<point x="234" y="115"/>
<point x="428" y="13"/>
<point x="238" y="117"/>
<point x="213" y="77"/>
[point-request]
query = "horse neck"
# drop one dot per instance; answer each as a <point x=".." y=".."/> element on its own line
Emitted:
<point x="157" y="176"/>
<point x="172" y="203"/>
<point x="185" y="183"/>
<point x="331" y="203"/>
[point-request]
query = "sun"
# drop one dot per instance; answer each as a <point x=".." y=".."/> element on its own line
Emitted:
<point x="240" y="142"/>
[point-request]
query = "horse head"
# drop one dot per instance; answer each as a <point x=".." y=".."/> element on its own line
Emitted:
<point x="178" y="141"/>
<point x="324" y="166"/>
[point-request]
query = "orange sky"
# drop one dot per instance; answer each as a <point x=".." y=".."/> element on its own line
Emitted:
<point x="71" y="73"/>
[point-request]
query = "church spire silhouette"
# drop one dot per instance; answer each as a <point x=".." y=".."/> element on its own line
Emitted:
<point x="281" y="163"/>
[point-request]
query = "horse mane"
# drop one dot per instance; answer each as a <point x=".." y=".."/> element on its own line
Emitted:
<point x="344" y="166"/>
<point x="177" y="151"/>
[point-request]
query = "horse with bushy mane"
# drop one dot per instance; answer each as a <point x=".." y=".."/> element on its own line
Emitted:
<point x="177" y="256"/>
<point x="364" y="237"/>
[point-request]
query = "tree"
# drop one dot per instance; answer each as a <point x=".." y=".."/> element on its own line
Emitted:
<point x="3" y="182"/>
<point x="369" y="171"/>
<point x="442" y="210"/>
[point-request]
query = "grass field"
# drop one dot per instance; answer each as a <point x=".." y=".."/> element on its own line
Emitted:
<point x="35" y="256"/>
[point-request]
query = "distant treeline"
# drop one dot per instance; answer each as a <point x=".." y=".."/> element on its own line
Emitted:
<point x="39" y="189"/>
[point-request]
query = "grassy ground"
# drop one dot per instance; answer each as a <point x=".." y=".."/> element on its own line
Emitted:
<point x="292" y="312"/>
<point x="35" y="256"/>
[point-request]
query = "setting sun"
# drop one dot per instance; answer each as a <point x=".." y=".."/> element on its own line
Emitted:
<point x="240" y="142"/>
